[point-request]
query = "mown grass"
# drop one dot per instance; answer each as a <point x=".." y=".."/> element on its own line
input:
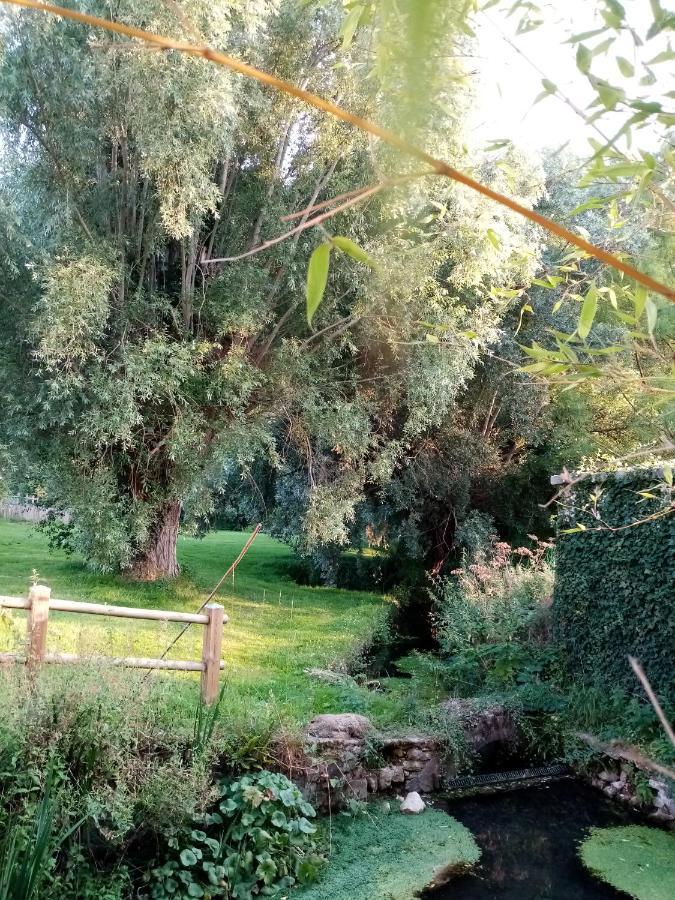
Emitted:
<point x="277" y="628"/>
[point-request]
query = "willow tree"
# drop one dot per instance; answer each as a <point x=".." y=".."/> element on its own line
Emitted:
<point x="145" y="338"/>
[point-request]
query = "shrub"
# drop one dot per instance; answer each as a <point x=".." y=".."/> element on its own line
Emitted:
<point x="498" y="595"/>
<point x="258" y="839"/>
<point x="132" y="771"/>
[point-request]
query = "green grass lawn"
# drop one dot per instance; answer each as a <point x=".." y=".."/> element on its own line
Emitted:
<point x="276" y="627"/>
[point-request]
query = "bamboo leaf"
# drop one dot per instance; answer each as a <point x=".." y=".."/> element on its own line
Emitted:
<point x="351" y="248"/>
<point x="584" y="57"/>
<point x="349" y="26"/>
<point x="588" y="311"/>
<point x="626" y="67"/>
<point x="317" y="278"/>
<point x="665" y="56"/>
<point x="639" y="301"/>
<point x="494" y="238"/>
<point x="608" y="94"/>
<point x="652" y="313"/>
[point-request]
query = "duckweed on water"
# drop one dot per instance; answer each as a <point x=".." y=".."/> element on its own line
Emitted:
<point x="635" y="859"/>
<point x="389" y="856"/>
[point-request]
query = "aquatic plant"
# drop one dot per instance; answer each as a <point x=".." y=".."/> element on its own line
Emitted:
<point x="635" y="859"/>
<point x="387" y="856"/>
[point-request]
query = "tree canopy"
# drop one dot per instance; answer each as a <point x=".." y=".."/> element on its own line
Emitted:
<point x="154" y="333"/>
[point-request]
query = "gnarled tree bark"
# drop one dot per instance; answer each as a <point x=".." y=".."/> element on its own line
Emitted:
<point x="158" y="559"/>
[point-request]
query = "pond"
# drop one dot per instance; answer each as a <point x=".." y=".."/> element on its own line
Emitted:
<point x="529" y="840"/>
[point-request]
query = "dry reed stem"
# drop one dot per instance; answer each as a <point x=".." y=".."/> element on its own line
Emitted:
<point x="653" y="699"/>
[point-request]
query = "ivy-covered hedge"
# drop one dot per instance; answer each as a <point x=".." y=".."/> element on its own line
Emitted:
<point x="615" y="590"/>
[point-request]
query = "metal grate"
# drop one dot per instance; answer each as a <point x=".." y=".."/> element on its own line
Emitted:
<point x="498" y="780"/>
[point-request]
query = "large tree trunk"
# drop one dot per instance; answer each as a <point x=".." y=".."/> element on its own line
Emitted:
<point x="158" y="558"/>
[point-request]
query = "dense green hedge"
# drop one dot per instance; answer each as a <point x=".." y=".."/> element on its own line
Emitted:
<point x="615" y="591"/>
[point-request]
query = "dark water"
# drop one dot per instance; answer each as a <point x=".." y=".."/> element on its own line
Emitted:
<point x="529" y="840"/>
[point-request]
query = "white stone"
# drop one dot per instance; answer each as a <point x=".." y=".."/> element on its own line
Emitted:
<point x="413" y="804"/>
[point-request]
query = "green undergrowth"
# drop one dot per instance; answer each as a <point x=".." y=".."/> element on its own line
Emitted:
<point x="635" y="859"/>
<point x="389" y="856"/>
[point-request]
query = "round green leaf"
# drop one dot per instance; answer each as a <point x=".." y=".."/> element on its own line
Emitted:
<point x="188" y="857"/>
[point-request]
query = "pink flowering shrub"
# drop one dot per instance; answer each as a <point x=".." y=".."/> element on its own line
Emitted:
<point x="499" y="594"/>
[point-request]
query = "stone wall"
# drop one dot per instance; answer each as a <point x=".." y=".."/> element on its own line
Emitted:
<point x="344" y="758"/>
<point x="619" y="784"/>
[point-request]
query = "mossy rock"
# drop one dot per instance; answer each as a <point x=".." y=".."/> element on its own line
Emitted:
<point x="389" y="856"/>
<point x="635" y="859"/>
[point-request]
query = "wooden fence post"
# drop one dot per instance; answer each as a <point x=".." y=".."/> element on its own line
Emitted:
<point x="213" y="640"/>
<point x="38" y="618"/>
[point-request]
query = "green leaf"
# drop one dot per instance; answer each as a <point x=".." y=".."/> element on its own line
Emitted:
<point x="639" y="301"/>
<point x="348" y="246"/>
<point x="349" y="26"/>
<point x="494" y="238"/>
<point x="584" y="36"/>
<point x="620" y="170"/>
<point x="317" y="279"/>
<point x="549" y="86"/>
<point x="584" y="57"/>
<point x="668" y="475"/>
<point x="626" y="67"/>
<point x="652" y="313"/>
<point x="306" y="826"/>
<point x="278" y="819"/>
<point x="609" y="95"/>
<point x="588" y="311"/>
<point x="665" y="56"/>
<point x="537" y="352"/>
<point x="591" y="203"/>
<point x="603" y="47"/>
<point x="188" y="857"/>
<point x="287" y="796"/>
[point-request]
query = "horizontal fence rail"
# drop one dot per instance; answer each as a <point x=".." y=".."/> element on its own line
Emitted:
<point x="39" y="604"/>
<point x="104" y="609"/>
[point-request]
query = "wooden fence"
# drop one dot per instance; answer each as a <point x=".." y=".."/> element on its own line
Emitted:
<point x="40" y="603"/>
